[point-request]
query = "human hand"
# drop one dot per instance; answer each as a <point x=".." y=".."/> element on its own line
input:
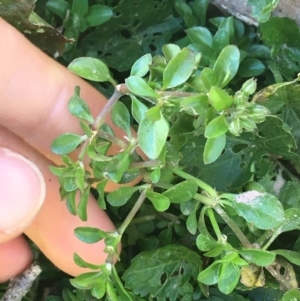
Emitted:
<point x="34" y="92"/>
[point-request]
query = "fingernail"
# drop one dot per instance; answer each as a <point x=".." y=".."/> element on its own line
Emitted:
<point x="22" y="191"/>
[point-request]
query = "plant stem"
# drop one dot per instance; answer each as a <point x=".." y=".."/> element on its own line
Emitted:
<point x="144" y="164"/>
<point x="267" y="234"/>
<point x="215" y="225"/>
<point x="176" y="93"/>
<point x="132" y="212"/>
<point x="272" y="238"/>
<point x="142" y="219"/>
<point x="284" y="282"/>
<point x="100" y="119"/>
<point x="212" y="192"/>
<point x="243" y="239"/>
<point x="123" y="89"/>
<point x="204" y="200"/>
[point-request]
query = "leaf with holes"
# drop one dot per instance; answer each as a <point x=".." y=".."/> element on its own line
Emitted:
<point x="163" y="273"/>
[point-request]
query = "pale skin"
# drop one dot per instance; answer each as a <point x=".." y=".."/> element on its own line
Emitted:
<point x="34" y="92"/>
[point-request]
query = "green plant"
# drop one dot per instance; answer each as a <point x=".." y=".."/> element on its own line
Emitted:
<point x="185" y="114"/>
<point x="221" y="181"/>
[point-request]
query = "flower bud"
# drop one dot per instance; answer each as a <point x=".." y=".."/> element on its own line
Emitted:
<point x="249" y="87"/>
<point x="235" y="127"/>
<point x="248" y="124"/>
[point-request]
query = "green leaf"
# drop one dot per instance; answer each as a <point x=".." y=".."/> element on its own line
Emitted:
<point x="152" y="136"/>
<point x="71" y="202"/>
<point x="94" y="155"/>
<point x="68" y="295"/>
<point x="154" y="114"/>
<point x="219" y="99"/>
<point x="139" y="87"/>
<point x="123" y="161"/>
<point x="86" y="280"/>
<point x="91" y="69"/>
<point x="59" y="7"/>
<point x="159" y="201"/>
<point x="210" y="275"/>
<point x="259" y="257"/>
<point x="292" y="256"/>
<point x="221" y="40"/>
<point x="287" y="34"/>
<point x="262" y="10"/>
<point x="185" y="11"/>
<point x="291" y="221"/>
<point x="204" y="243"/>
<point x="191" y="221"/>
<point x="138" y="109"/>
<point x="141" y="67"/>
<point x="121" y="117"/>
<point x="262" y="209"/>
<point x="195" y="105"/>
<point x="213" y="148"/>
<point x="90" y="235"/>
<point x="83" y="264"/>
<point x="229" y="276"/>
<point x="170" y="51"/>
<point x="120" y="196"/>
<point x="80" y="178"/>
<point x="60" y="171"/>
<point x="132" y="32"/>
<point x="98" y="14"/>
<point x="66" y="143"/>
<point x="181" y="192"/>
<point x="291" y="295"/>
<point x="80" y="7"/>
<point x="160" y="271"/>
<point x="208" y="79"/>
<point x="179" y="69"/>
<point x="202" y="37"/>
<point x="251" y="68"/>
<point x="82" y="205"/>
<point x="227" y="65"/>
<point x="217" y="127"/>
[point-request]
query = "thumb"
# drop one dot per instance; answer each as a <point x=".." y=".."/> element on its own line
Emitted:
<point x="22" y="192"/>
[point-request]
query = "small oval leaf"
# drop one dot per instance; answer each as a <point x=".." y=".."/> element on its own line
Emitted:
<point x="179" y="69"/>
<point x="139" y="87"/>
<point x="159" y="201"/>
<point x="141" y="67"/>
<point x="264" y="210"/>
<point x="90" y="235"/>
<point x="219" y="99"/>
<point x="152" y="136"/>
<point x="217" y="127"/>
<point x="261" y="258"/>
<point x="227" y="65"/>
<point x="213" y="148"/>
<point x="66" y="143"/>
<point x="91" y="69"/>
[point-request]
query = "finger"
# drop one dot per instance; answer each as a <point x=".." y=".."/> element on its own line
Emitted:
<point x="37" y="89"/>
<point x="52" y="230"/>
<point x="15" y="257"/>
<point x="22" y="193"/>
